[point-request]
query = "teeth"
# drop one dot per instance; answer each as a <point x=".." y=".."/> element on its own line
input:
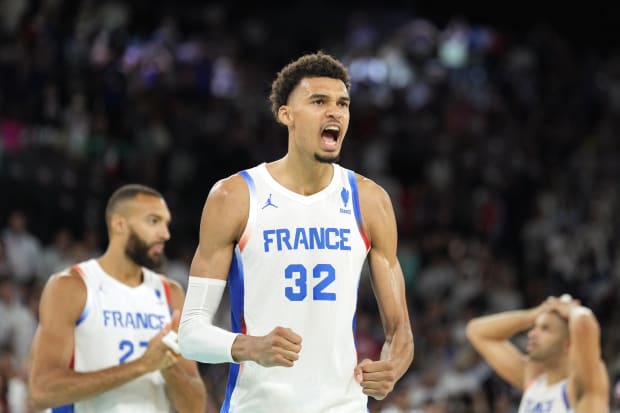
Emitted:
<point x="334" y="128"/>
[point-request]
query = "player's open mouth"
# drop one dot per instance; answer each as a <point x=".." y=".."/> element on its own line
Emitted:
<point x="158" y="248"/>
<point x="329" y="137"/>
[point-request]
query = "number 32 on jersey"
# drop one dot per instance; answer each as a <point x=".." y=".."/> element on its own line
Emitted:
<point x="298" y="273"/>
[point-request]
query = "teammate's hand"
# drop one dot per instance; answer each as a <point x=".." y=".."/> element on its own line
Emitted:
<point x="158" y="355"/>
<point x="280" y="347"/>
<point x="377" y="378"/>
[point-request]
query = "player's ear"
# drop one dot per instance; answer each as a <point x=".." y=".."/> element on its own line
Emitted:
<point x="285" y="115"/>
<point x="118" y="224"/>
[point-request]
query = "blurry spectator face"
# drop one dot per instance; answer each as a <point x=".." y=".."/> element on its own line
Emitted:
<point x="62" y="241"/>
<point x="17" y="222"/>
<point x="6" y="290"/>
<point x="435" y="407"/>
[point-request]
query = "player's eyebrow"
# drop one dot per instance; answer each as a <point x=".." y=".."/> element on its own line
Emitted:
<point x="324" y="96"/>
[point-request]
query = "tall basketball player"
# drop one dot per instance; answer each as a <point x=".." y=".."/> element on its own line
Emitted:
<point x="98" y="347"/>
<point x="290" y="237"/>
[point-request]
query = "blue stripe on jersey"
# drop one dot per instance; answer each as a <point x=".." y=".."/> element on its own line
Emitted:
<point x="233" y="372"/>
<point x="565" y="396"/>
<point x="354" y="321"/>
<point x="85" y="311"/>
<point x="249" y="180"/>
<point x="355" y="198"/>
<point x="357" y="211"/>
<point x="235" y="279"/>
<point x="67" y="408"/>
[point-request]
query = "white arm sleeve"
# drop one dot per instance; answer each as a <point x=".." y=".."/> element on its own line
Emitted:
<point x="199" y="339"/>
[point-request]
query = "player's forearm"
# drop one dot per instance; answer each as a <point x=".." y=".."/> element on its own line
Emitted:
<point x="185" y="391"/>
<point x="199" y="339"/>
<point x="66" y="386"/>
<point x="585" y="333"/>
<point x="500" y="326"/>
<point x="399" y="348"/>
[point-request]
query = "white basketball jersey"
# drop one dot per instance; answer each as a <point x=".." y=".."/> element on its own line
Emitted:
<point x="298" y="265"/>
<point x="115" y="327"/>
<point x="539" y="397"/>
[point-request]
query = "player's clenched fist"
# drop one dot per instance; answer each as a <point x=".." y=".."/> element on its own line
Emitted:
<point x="280" y="347"/>
<point x="377" y="378"/>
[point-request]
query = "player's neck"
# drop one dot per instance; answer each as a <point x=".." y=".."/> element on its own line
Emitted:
<point x="556" y="372"/>
<point x="117" y="265"/>
<point x="305" y="177"/>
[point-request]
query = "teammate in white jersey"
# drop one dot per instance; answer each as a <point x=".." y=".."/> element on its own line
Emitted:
<point x="290" y="238"/>
<point x="563" y="371"/>
<point x="99" y="343"/>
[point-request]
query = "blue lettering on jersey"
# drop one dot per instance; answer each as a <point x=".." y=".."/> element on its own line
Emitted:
<point x="306" y="238"/>
<point x="532" y="406"/>
<point x="136" y="321"/>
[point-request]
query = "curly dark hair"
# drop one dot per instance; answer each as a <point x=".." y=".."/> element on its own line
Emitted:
<point x="317" y="64"/>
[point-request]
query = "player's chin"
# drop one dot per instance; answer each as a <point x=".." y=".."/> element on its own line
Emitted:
<point x="327" y="157"/>
<point x="157" y="259"/>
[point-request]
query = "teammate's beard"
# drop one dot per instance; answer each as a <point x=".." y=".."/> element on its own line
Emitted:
<point x="138" y="251"/>
<point x="327" y="159"/>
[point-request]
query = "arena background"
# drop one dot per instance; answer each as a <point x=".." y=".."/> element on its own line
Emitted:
<point x="494" y="129"/>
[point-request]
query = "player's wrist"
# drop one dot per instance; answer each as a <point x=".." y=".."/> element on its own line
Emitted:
<point x="172" y="371"/>
<point x="142" y="365"/>
<point x="242" y="349"/>
<point x="533" y="313"/>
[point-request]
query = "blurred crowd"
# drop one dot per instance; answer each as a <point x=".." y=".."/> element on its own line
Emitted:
<point x="499" y="151"/>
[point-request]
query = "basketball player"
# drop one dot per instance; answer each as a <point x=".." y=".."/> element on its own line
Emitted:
<point x="98" y="347"/>
<point x="290" y="238"/>
<point x="563" y="371"/>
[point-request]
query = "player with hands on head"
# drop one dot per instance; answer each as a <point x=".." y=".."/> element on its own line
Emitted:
<point x="99" y="346"/>
<point x="290" y="237"/>
<point x="562" y="371"/>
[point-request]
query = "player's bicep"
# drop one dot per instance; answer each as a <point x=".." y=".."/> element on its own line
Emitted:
<point x="222" y="223"/>
<point x="61" y="304"/>
<point x="585" y="353"/>
<point x="386" y="273"/>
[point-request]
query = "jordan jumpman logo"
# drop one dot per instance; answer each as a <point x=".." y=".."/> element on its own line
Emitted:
<point x="269" y="203"/>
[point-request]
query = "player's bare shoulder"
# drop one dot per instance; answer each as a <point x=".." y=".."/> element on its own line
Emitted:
<point x="69" y="278"/>
<point x="230" y="191"/>
<point x="226" y="208"/>
<point x="65" y="291"/>
<point x="375" y="205"/>
<point x="373" y="197"/>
